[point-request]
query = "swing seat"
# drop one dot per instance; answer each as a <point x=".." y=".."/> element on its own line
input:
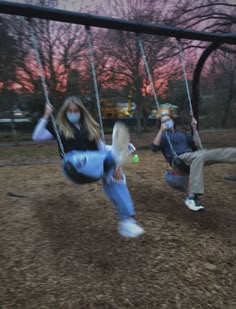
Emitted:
<point x="75" y="176"/>
<point x="232" y="178"/>
<point x="180" y="167"/>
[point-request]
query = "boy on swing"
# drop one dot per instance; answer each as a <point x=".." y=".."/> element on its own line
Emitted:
<point x="183" y="145"/>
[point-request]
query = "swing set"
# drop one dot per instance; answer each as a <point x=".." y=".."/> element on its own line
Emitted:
<point x="32" y="11"/>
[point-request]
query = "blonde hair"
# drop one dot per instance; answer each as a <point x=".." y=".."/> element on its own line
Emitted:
<point x="86" y="120"/>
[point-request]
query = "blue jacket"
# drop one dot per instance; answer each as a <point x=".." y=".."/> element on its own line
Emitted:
<point x="180" y="141"/>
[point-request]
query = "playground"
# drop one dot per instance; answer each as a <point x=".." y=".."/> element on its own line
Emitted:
<point x="60" y="247"/>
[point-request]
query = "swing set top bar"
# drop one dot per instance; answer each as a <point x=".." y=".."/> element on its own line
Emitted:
<point x="34" y="11"/>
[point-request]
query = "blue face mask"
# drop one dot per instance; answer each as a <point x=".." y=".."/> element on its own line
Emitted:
<point x="170" y="124"/>
<point x="73" y="117"/>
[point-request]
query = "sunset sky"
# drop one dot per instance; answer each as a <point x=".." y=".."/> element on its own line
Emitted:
<point x="97" y="7"/>
<point x="103" y="7"/>
<point x="81" y="5"/>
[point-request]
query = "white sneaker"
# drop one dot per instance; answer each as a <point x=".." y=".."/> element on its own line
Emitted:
<point x="193" y="204"/>
<point x="129" y="228"/>
<point x="120" y="143"/>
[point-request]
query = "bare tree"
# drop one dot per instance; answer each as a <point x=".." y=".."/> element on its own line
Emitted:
<point x="125" y="65"/>
<point x="209" y="16"/>
<point x="223" y="75"/>
<point x="61" y="48"/>
<point x="204" y="15"/>
<point x="8" y="54"/>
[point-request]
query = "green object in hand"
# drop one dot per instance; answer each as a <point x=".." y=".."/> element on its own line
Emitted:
<point x="135" y="158"/>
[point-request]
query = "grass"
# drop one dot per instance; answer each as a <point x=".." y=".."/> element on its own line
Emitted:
<point x="7" y="136"/>
<point x="30" y="152"/>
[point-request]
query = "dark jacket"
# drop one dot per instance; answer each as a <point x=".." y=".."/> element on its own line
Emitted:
<point x="80" y="142"/>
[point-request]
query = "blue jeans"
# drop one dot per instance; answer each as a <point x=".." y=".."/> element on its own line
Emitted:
<point x="93" y="164"/>
<point x="176" y="181"/>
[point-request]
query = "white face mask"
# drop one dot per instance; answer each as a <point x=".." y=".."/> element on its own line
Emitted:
<point x="73" y="117"/>
<point x="170" y="124"/>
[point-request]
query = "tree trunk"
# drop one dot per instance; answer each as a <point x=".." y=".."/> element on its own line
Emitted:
<point x="139" y="103"/>
<point x="13" y="130"/>
<point x="139" y="124"/>
<point x="227" y="109"/>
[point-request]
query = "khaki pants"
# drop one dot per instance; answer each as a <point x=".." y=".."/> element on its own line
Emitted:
<point x="198" y="159"/>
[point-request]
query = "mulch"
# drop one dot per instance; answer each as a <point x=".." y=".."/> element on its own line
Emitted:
<point x="60" y="247"/>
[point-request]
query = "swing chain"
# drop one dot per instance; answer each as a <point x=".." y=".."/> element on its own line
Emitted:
<point x="44" y="86"/>
<point x="140" y="43"/>
<point x="185" y="77"/>
<point x="92" y="63"/>
<point x="196" y="133"/>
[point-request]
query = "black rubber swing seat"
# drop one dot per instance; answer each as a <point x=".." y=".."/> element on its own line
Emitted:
<point x="75" y="176"/>
<point x="232" y="178"/>
<point x="180" y="167"/>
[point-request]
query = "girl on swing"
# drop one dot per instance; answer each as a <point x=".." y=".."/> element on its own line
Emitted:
<point x="184" y="145"/>
<point x="80" y="136"/>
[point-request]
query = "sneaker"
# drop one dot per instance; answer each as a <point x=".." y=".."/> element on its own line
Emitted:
<point x="129" y="228"/>
<point x="120" y="143"/>
<point x="193" y="204"/>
